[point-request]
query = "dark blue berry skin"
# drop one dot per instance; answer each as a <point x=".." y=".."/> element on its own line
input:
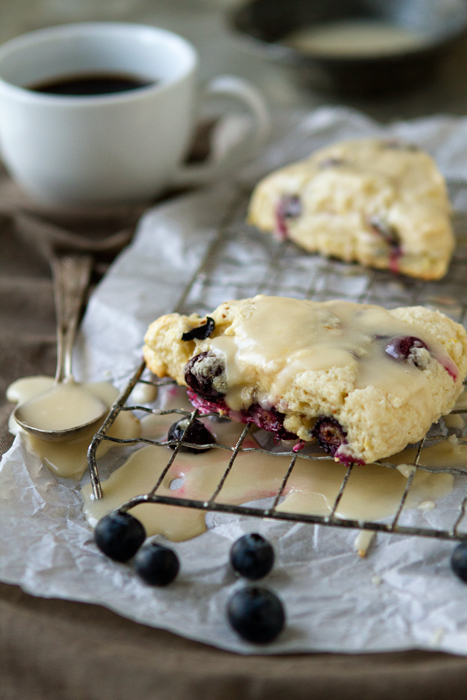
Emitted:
<point x="256" y="614"/>
<point x="197" y="434"/>
<point x="459" y="561"/>
<point x="202" y="332"/>
<point x="329" y="433"/>
<point x="252" y="556"/>
<point x="199" y="375"/>
<point x="157" y="565"/>
<point x="119" y="536"/>
<point x="401" y="348"/>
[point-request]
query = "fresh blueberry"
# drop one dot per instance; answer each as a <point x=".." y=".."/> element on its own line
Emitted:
<point x="252" y="556"/>
<point x="157" y="565"/>
<point x="329" y="433"/>
<point x="256" y="614"/>
<point x="459" y="561"/>
<point x="201" y="332"/>
<point x="119" y="535"/>
<point x="401" y="348"/>
<point x="200" y="373"/>
<point x="197" y="434"/>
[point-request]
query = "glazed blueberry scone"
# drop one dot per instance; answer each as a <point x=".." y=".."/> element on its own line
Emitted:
<point x="381" y="203"/>
<point x="361" y="380"/>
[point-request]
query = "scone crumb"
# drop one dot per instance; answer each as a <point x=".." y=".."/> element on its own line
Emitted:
<point x="454" y="421"/>
<point x="363" y="542"/>
<point x="437" y="637"/>
<point x="406" y="470"/>
<point x="426" y="505"/>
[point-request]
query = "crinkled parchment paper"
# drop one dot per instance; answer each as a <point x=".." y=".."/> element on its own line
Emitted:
<point x="403" y="595"/>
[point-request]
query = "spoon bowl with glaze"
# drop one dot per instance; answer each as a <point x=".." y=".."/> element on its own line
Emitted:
<point x="66" y="411"/>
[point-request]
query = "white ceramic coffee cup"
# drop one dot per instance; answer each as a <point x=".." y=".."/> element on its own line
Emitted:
<point x="113" y="148"/>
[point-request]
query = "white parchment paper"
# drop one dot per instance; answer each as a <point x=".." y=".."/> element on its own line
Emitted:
<point x="402" y="596"/>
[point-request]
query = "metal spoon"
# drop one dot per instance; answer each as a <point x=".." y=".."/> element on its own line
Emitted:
<point x="71" y="274"/>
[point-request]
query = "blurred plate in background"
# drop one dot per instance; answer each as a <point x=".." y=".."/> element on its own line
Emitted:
<point x="354" y="47"/>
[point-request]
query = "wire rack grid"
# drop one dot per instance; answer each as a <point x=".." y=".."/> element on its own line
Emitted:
<point x="280" y="268"/>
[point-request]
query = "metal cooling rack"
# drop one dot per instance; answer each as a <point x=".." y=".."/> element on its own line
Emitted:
<point x="284" y="269"/>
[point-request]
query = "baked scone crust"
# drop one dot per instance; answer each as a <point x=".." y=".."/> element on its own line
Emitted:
<point x="379" y="377"/>
<point x="379" y="202"/>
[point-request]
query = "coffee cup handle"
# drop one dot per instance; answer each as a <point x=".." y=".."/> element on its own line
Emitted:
<point x="232" y="86"/>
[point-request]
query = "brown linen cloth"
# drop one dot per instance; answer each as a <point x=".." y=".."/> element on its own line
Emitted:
<point x="60" y="650"/>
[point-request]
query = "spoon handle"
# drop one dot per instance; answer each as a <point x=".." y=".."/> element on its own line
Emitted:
<point x="71" y="274"/>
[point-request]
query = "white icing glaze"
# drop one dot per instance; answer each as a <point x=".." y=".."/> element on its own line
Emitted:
<point x="373" y="492"/>
<point x="282" y="338"/>
<point x="445" y="453"/>
<point x="62" y="407"/>
<point x="27" y="388"/>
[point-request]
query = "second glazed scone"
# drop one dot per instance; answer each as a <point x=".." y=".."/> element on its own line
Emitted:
<point x="381" y="203"/>
<point x="362" y="380"/>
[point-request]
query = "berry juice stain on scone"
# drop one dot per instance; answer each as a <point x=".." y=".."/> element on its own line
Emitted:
<point x="391" y="237"/>
<point x="289" y="207"/>
<point x="362" y="381"/>
<point x="380" y="203"/>
<point x="202" y="373"/>
<point x="407" y="349"/>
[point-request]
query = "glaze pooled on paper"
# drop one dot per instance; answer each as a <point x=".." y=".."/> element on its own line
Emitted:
<point x="372" y="492"/>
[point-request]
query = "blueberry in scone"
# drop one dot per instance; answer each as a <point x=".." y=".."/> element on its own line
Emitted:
<point x="381" y="203"/>
<point x="361" y="380"/>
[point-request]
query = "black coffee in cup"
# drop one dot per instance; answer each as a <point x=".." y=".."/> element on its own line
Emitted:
<point x="103" y="113"/>
<point x="87" y="84"/>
